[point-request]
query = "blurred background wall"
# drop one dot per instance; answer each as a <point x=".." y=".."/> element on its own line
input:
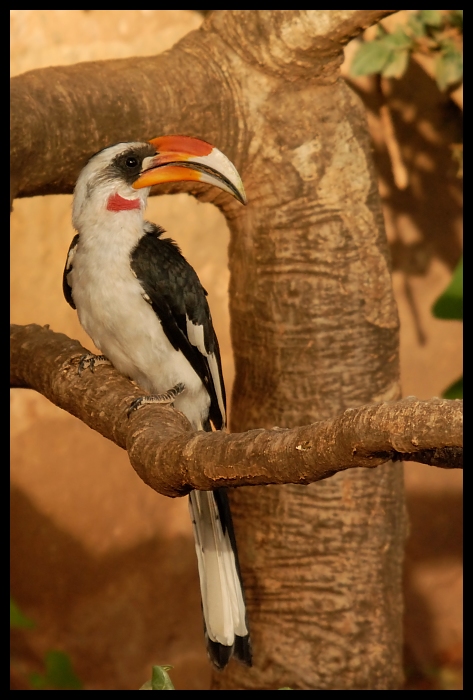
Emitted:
<point x="104" y="565"/>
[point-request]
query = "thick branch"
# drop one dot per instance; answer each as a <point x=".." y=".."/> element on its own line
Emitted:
<point x="173" y="459"/>
<point x="60" y="116"/>
<point x="293" y="43"/>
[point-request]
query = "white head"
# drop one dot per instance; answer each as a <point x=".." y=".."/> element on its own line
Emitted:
<point x="109" y="173"/>
<point x="118" y="179"/>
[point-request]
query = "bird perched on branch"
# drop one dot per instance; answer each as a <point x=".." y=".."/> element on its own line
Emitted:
<point x="144" y="307"/>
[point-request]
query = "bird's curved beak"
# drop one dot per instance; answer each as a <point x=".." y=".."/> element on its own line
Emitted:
<point x="186" y="158"/>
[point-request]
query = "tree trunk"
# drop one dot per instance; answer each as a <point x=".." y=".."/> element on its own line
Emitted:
<point x="315" y="331"/>
<point x="313" y="319"/>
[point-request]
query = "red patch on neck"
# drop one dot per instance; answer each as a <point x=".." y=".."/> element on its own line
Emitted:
<point x="117" y="203"/>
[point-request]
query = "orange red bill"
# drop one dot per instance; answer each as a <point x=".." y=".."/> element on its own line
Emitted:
<point x="185" y="158"/>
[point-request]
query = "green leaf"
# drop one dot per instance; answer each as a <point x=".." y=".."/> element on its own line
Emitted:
<point x="398" y="40"/>
<point x="159" y="679"/>
<point x="448" y="68"/>
<point x="416" y="26"/>
<point x="396" y="66"/>
<point x="380" y="31"/>
<point x="37" y="681"/>
<point x="449" y="305"/>
<point x="456" y="18"/>
<point x="371" y="57"/>
<point x="17" y="618"/>
<point x="59" y="673"/>
<point x="455" y="390"/>
<point x="433" y="18"/>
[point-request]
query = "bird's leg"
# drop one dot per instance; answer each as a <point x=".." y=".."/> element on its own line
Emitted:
<point x="165" y="399"/>
<point x="91" y="361"/>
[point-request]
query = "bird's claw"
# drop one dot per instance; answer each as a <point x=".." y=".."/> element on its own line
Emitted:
<point x="137" y="403"/>
<point x="90" y="361"/>
<point x="165" y="399"/>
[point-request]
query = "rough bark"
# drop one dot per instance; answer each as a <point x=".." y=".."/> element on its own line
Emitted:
<point x="322" y="565"/>
<point x="173" y="459"/>
<point x="314" y="324"/>
<point x="60" y="116"/>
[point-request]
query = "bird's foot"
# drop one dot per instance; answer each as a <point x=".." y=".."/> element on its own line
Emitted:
<point x="165" y="399"/>
<point x="91" y="361"/>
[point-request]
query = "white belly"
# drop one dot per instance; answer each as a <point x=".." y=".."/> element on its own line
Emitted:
<point x="111" y="308"/>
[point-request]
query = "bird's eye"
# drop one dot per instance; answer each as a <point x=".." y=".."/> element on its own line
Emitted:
<point x="131" y="162"/>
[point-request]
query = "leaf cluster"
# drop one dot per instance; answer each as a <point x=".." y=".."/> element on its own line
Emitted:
<point x="437" y="33"/>
<point x="449" y="306"/>
<point x="58" y="671"/>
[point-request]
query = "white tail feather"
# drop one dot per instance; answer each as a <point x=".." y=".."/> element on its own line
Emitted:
<point x="222" y="597"/>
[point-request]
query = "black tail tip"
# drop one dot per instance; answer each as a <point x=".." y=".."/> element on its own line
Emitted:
<point x="220" y="654"/>
<point x="243" y="651"/>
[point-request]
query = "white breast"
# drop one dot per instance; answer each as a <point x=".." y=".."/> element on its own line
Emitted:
<point x="112" y="310"/>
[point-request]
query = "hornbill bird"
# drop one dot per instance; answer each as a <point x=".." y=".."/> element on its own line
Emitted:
<point x="145" y="309"/>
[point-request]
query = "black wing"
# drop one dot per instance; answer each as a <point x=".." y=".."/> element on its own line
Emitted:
<point x="179" y="300"/>
<point x="66" y="287"/>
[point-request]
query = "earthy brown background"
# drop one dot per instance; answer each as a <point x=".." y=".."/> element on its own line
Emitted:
<point x="104" y="565"/>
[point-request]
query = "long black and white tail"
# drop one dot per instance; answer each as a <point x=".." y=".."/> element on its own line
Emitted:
<point x="223" y="603"/>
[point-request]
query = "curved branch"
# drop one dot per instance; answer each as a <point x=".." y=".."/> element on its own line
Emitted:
<point x="173" y="459"/>
<point x="293" y="43"/>
<point x="60" y="115"/>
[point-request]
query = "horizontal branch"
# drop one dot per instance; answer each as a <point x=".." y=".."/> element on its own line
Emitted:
<point x="173" y="459"/>
<point x="61" y="115"/>
<point x="292" y="43"/>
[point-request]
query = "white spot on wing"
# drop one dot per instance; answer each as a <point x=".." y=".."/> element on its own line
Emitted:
<point x="195" y="333"/>
<point x="218" y="388"/>
<point x="70" y="257"/>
